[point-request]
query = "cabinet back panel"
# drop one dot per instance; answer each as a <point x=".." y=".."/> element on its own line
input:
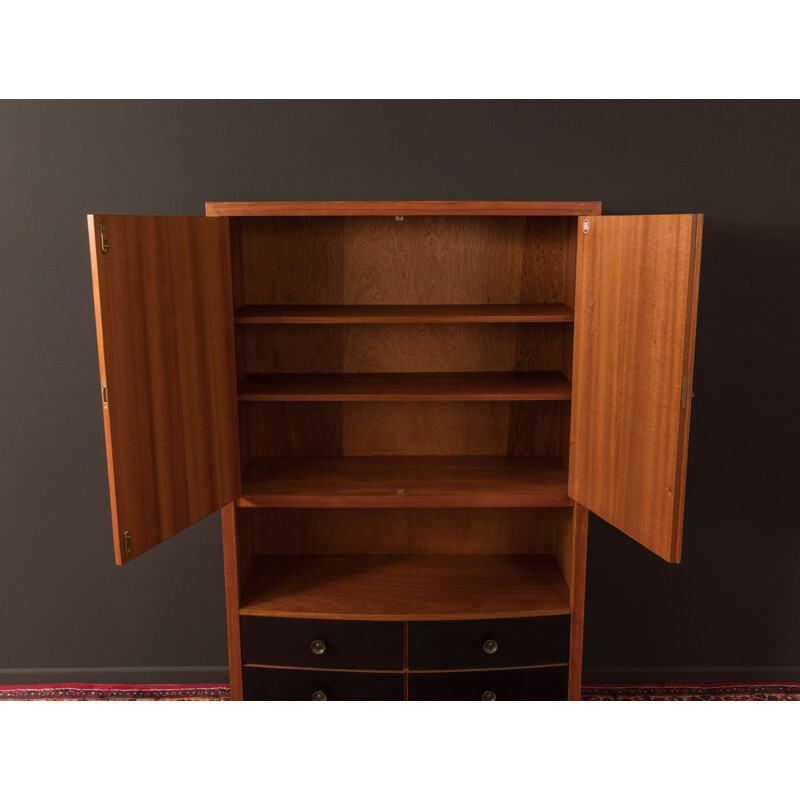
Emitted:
<point x="378" y="260"/>
<point x="426" y="531"/>
<point x="402" y="348"/>
<point x="404" y="429"/>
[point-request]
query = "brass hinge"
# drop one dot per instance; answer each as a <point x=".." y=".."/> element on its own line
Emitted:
<point x="127" y="540"/>
<point x="104" y="393"/>
<point x="104" y="246"/>
<point x="684" y="391"/>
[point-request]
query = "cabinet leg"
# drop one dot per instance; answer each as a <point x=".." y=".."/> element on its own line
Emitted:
<point x="578" y="595"/>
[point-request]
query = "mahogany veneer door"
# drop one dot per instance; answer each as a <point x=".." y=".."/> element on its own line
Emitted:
<point x="164" y="313"/>
<point x="635" y="307"/>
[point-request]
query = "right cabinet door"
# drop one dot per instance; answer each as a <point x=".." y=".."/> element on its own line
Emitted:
<point x="635" y="312"/>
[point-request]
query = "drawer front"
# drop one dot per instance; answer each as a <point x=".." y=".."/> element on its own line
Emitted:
<point x="486" y="643"/>
<point x="324" y="644"/>
<point x="262" y="683"/>
<point x="542" y="683"/>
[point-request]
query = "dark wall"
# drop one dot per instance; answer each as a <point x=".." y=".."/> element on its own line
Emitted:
<point x="731" y="610"/>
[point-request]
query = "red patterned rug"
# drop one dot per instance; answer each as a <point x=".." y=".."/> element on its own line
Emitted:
<point x="117" y="691"/>
<point x="210" y="691"/>
<point x="692" y="691"/>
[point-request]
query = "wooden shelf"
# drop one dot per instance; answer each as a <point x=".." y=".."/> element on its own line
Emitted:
<point x="405" y="482"/>
<point x="405" y="587"/>
<point x="322" y="314"/>
<point x="399" y="386"/>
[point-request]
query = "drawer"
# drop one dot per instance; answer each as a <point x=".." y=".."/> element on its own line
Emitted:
<point x="467" y="644"/>
<point x="541" y="683"/>
<point x="336" y="644"/>
<point x="262" y="683"/>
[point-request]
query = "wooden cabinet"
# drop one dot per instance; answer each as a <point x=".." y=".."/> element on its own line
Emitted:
<point x="405" y="412"/>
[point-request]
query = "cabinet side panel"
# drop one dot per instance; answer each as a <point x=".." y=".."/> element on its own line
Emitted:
<point x="237" y="557"/>
<point x="577" y="591"/>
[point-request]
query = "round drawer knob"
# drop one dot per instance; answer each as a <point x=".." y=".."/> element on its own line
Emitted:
<point x="490" y="648"/>
<point x="320" y="695"/>
<point x="318" y="648"/>
<point x="488" y="695"/>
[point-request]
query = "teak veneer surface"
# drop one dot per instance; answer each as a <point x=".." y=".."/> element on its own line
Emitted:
<point x="426" y="260"/>
<point x="635" y="311"/>
<point x="163" y="307"/>
<point x="459" y="428"/>
<point x="411" y="531"/>
<point x="403" y="587"/>
<point x="402" y="207"/>
<point x="233" y="571"/>
<point x="402" y="386"/>
<point x="405" y="482"/>
<point x="410" y="314"/>
<point x="392" y="347"/>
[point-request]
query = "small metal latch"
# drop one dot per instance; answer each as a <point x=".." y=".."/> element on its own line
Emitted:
<point x="127" y="540"/>
<point x="399" y="219"/>
<point x="104" y="393"/>
<point x="103" y="238"/>
<point x="684" y="391"/>
<point x="401" y="491"/>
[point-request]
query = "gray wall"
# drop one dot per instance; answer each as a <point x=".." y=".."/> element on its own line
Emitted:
<point x="730" y="611"/>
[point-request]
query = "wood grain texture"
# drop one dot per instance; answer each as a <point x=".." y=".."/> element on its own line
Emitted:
<point x="403" y="207"/>
<point x="399" y="587"/>
<point x="578" y="535"/>
<point x="420" y="531"/>
<point x="292" y="260"/>
<point x="636" y="296"/>
<point x="453" y="429"/>
<point x="423" y="347"/>
<point x="234" y="580"/>
<point x="404" y="482"/>
<point x="163" y="307"/>
<point x="407" y="314"/>
<point x="404" y="386"/>
<point x="427" y="429"/>
<point x="404" y="429"/>
<point x="451" y="260"/>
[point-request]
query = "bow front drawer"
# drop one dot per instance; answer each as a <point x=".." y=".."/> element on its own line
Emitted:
<point x="263" y="683"/>
<point x="539" y="683"/>
<point x="324" y="644"/>
<point x="487" y="643"/>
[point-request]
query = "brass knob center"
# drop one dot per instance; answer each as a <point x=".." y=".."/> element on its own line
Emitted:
<point x="490" y="647"/>
<point x="320" y="695"/>
<point x="488" y="695"/>
<point x="318" y="647"/>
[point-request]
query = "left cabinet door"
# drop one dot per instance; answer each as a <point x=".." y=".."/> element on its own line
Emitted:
<point x="164" y="313"/>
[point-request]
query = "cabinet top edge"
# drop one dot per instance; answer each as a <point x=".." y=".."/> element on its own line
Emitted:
<point x="378" y="208"/>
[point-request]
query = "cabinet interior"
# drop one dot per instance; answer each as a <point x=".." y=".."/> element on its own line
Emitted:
<point x="404" y="410"/>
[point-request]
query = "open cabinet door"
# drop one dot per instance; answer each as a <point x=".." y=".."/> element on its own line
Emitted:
<point x="635" y="307"/>
<point x="164" y="313"/>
